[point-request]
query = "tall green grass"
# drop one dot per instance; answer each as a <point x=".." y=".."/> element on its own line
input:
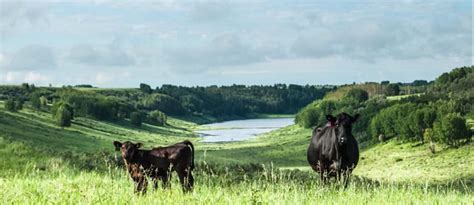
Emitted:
<point x="268" y="186"/>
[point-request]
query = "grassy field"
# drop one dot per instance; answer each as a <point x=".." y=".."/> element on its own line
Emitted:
<point x="399" y="97"/>
<point x="269" y="187"/>
<point x="44" y="164"/>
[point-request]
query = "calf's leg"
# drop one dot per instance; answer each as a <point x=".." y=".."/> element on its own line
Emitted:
<point x="186" y="179"/>
<point x="141" y="184"/>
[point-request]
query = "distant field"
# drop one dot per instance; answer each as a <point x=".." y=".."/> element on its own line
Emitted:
<point x="398" y="97"/>
<point x="470" y="122"/>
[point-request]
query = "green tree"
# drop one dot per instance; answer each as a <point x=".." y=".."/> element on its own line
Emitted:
<point x="136" y="118"/>
<point x="358" y="95"/>
<point x="19" y="104"/>
<point x="145" y="88"/>
<point x="25" y="86"/>
<point x="35" y="101"/>
<point x="64" y="115"/>
<point x="451" y="129"/>
<point x="392" y="89"/>
<point x="157" y="118"/>
<point x="10" y="105"/>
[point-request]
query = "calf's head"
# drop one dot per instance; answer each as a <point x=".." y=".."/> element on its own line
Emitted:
<point x="128" y="149"/>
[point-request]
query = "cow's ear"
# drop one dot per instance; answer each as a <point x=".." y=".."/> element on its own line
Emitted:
<point x="355" y="118"/>
<point x="139" y="145"/>
<point x="117" y="145"/>
<point x="330" y="118"/>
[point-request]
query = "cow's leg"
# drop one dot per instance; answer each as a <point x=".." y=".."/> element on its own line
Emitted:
<point x="155" y="182"/>
<point x="190" y="179"/>
<point x="166" y="176"/>
<point x="346" y="177"/>
<point x="182" y="176"/>
<point x="185" y="178"/>
<point x="323" y="172"/>
<point x="321" y="175"/>
<point x="339" y="175"/>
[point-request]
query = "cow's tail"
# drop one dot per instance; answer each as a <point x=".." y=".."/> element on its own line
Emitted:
<point x="188" y="143"/>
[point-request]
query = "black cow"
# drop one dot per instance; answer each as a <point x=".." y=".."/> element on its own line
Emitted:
<point x="157" y="163"/>
<point x="333" y="150"/>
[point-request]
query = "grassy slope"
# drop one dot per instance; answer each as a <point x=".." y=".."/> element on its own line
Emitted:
<point x="407" y="161"/>
<point x="388" y="161"/>
<point x="41" y="141"/>
<point x="284" y="148"/>
<point x="85" y="135"/>
<point x="27" y="175"/>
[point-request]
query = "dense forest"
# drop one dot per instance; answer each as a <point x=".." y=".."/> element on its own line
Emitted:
<point x="438" y="114"/>
<point x="145" y="104"/>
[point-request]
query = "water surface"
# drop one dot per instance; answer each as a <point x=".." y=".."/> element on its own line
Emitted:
<point x="237" y="130"/>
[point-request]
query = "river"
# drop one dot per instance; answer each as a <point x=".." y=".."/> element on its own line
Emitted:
<point x="238" y="130"/>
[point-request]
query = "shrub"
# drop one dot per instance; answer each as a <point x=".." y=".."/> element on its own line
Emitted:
<point x="63" y="114"/>
<point x="358" y="95"/>
<point x="165" y="103"/>
<point x="10" y="105"/>
<point x="136" y="118"/>
<point x="394" y="121"/>
<point x="19" y="104"/>
<point x="392" y="89"/>
<point x="309" y="116"/>
<point x="157" y="118"/>
<point x="35" y="101"/>
<point x="428" y="136"/>
<point x="451" y="129"/>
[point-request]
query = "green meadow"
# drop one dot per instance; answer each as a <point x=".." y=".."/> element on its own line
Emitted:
<point x="42" y="163"/>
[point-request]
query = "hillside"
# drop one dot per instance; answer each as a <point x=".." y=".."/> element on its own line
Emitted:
<point x="284" y="148"/>
<point x="391" y="161"/>
<point x="47" y="164"/>
<point x="36" y="138"/>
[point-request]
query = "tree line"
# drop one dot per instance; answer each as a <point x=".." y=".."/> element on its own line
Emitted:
<point x="438" y="115"/>
<point x="152" y="106"/>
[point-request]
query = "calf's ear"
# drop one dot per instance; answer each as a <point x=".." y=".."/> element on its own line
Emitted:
<point x="117" y="145"/>
<point x="139" y="145"/>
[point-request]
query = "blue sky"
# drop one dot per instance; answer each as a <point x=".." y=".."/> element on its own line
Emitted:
<point x="124" y="43"/>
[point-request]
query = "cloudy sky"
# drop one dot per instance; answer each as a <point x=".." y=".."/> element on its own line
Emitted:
<point x="123" y="43"/>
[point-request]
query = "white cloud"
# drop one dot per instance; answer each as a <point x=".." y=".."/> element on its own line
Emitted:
<point x="222" y="50"/>
<point x="17" y="77"/>
<point x="16" y="12"/>
<point x="103" y="78"/>
<point x="10" y="77"/>
<point x="100" y="56"/>
<point x="34" y="77"/>
<point x="32" y="57"/>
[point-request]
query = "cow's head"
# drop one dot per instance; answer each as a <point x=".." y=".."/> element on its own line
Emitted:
<point x="344" y="123"/>
<point x="128" y="149"/>
<point x="331" y="120"/>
